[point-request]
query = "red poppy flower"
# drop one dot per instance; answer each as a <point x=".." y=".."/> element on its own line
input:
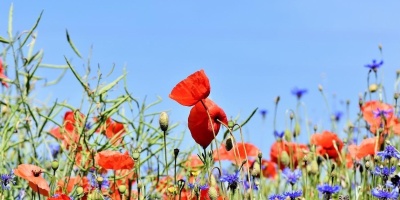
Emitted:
<point x="193" y="163"/>
<point x="32" y="174"/>
<point x="115" y="160"/>
<point x="326" y="141"/>
<point x="199" y="123"/>
<point x="192" y="89"/>
<point x="73" y="182"/>
<point x="367" y="147"/>
<point x="380" y="115"/>
<point x="69" y="132"/>
<point x="296" y="152"/>
<point x="113" y="130"/>
<point x="59" y="196"/>
<point x="237" y="154"/>
<point x="2" y="75"/>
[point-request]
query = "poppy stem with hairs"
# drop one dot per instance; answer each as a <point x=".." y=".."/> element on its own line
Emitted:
<point x="165" y="155"/>
<point x="212" y="127"/>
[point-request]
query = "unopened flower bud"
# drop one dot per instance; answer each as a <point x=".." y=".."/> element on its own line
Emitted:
<point x="213" y="193"/>
<point x="231" y="123"/>
<point x="79" y="190"/>
<point x="285" y="159"/>
<point x="54" y="165"/>
<point x="164" y="121"/>
<point x="373" y="88"/>
<point x="277" y="99"/>
<point x="255" y="171"/>
<point x="396" y="95"/>
<point x="259" y="155"/>
<point x="229" y="143"/>
<point x="320" y="88"/>
<point x="122" y="189"/>
<point x="135" y="154"/>
<point x="176" y="152"/>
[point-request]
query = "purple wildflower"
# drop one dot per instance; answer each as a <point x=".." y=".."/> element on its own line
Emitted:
<point x="279" y="134"/>
<point x="298" y="92"/>
<point x="382" y="113"/>
<point x="293" y="194"/>
<point x="384" y="171"/>
<point x="389" y="152"/>
<point x="375" y="65"/>
<point x="291" y="176"/>
<point x="231" y="179"/>
<point x="6" y="180"/>
<point x="384" y="194"/>
<point x="276" y="197"/>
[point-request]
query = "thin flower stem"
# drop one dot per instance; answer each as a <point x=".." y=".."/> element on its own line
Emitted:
<point x="165" y="155"/>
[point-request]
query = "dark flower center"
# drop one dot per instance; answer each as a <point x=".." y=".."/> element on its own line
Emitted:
<point x="36" y="173"/>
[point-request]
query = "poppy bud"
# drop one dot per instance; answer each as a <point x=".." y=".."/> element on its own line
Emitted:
<point x="176" y="152"/>
<point x="259" y="155"/>
<point x="79" y="191"/>
<point x="54" y="165"/>
<point x="396" y="95"/>
<point x="229" y="143"/>
<point x="291" y="116"/>
<point x="285" y="159"/>
<point x="213" y="181"/>
<point x="277" y="99"/>
<point x="288" y="135"/>
<point x="95" y="195"/>
<point x="231" y="123"/>
<point x="164" y="121"/>
<point x="213" y="193"/>
<point x="315" y="128"/>
<point x="135" y="154"/>
<point x="255" y="171"/>
<point x="122" y="189"/>
<point x="320" y="88"/>
<point x="373" y="88"/>
<point x="313" y="167"/>
<point x="181" y="184"/>
<point x="296" y="131"/>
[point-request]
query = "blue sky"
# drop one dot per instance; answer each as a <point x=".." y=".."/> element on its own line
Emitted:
<point x="251" y="52"/>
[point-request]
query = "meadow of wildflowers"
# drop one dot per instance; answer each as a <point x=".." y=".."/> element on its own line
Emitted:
<point x="100" y="150"/>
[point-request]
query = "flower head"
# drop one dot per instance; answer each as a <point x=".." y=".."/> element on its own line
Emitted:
<point x="389" y="152"/>
<point x="115" y="160"/>
<point x="263" y="113"/>
<point x="32" y="174"/>
<point x="384" y="171"/>
<point x="291" y="176"/>
<point x="113" y="130"/>
<point x="374" y="65"/>
<point x="384" y="194"/>
<point x="192" y="89"/>
<point x="231" y="179"/>
<point x="279" y="134"/>
<point x="276" y="197"/>
<point x="200" y="127"/>
<point x="298" y="92"/>
<point x="329" y="144"/>
<point x="293" y="194"/>
<point x="328" y="189"/>
<point x="6" y="180"/>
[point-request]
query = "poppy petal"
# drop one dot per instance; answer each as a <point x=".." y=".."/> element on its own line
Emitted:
<point x="192" y="89"/>
<point x="199" y="124"/>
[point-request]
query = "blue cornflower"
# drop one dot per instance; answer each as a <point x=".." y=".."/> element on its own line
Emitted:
<point x="389" y="152"/>
<point x="337" y="115"/>
<point x="291" y="176"/>
<point x="6" y="180"/>
<point x="247" y="183"/>
<point x="298" y="92"/>
<point x="279" y="134"/>
<point x="384" y="194"/>
<point x="383" y="171"/>
<point x="375" y="65"/>
<point x="328" y="189"/>
<point x="54" y="149"/>
<point x="198" y="186"/>
<point x="263" y="113"/>
<point x="95" y="184"/>
<point x="276" y="197"/>
<point x="293" y="194"/>
<point x="382" y="113"/>
<point x="231" y="179"/>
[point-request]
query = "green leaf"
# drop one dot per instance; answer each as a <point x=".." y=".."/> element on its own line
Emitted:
<point x="110" y="85"/>
<point x="2" y="40"/>
<point x="72" y="45"/>
<point x="32" y="29"/>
